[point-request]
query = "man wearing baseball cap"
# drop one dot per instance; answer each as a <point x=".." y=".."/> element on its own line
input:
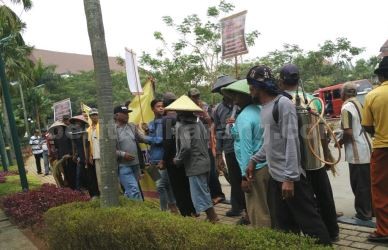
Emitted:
<point x="292" y="204"/>
<point x="128" y="137"/>
<point x="94" y="142"/>
<point x="316" y="172"/>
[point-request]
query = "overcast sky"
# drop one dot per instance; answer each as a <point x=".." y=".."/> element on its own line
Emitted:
<point x="61" y="26"/>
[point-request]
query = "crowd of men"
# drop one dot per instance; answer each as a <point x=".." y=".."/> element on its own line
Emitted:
<point x="256" y="132"/>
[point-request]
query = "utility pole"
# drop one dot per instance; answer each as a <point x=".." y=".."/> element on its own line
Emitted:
<point x="11" y="118"/>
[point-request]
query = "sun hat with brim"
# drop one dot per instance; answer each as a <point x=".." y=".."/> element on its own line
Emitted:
<point x="78" y="118"/>
<point x="221" y="82"/>
<point x="183" y="103"/>
<point x="56" y="125"/>
<point x="241" y="86"/>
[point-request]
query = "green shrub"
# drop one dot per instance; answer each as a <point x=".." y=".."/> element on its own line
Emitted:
<point x="136" y="225"/>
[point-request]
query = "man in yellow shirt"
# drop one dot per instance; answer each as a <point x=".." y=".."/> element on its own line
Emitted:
<point x="375" y="122"/>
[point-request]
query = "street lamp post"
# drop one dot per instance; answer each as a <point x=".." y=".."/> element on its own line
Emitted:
<point x="24" y="108"/>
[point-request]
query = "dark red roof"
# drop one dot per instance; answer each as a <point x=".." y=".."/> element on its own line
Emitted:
<point x="70" y="63"/>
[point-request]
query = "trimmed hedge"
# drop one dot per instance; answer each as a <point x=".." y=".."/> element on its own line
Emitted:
<point x="136" y="225"/>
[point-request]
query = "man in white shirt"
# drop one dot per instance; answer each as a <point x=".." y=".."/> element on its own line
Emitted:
<point x="357" y="151"/>
<point x="35" y="142"/>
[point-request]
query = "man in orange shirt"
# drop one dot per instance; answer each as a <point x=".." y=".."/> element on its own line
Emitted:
<point x="375" y="122"/>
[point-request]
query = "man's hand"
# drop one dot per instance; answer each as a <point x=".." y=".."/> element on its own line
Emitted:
<point x="128" y="157"/>
<point x="287" y="190"/>
<point x="144" y="127"/>
<point x="250" y="169"/>
<point x="220" y="163"/>
<point x="91" y="162"/>
<point x="161" y="165"/>
<point x="230" y="120"/>
<point x="246" y="186"/>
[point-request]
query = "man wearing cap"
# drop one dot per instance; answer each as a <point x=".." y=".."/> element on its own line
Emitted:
<point x="177" y="175"/>
<point x="214" y="182"/>
<point x="221" y="113"/>
<point x="375" y="122"/>
<point x="248" y="139"/>
<point x="316" y="172"/>
<point x="36" y="146"/>
<point x="94" y="144"/>
<point x="293" y="201"/>
<point x="128" y="137"/>
<point x="192" y="153"/>
<point x="358" y="151"/>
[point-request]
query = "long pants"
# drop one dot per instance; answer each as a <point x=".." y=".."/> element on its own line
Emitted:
<point x="298" y="213"/>
<point x="256" y="200"/>
<point x="181" y="189"/>
<point x="46" y="162"/>
<point x="70" y="173"/>
<point x="91" y="181"/>
<point x="128" y="179"/>
<point x="319" y="181"/>
<point x="37" y="162"/>
<point x="97" y="166"/>
<point x="166" y="195"/>
<point x="361" y="187"/>
<point x="237" y="199"/>
<point x="379" y="180"/>
<point x="214" y="182"/>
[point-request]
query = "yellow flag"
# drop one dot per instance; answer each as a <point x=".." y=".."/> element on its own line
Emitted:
<point x="85" y="108"/>
<point x="141" y="106"/>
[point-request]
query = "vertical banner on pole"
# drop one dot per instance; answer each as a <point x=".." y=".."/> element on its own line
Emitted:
<point x="132" y="73"/>
<point x="233" y="35"/>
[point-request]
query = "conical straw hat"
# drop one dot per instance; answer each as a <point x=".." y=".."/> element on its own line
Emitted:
<point x="240" y="86"/>
<point x="183" y="103"/>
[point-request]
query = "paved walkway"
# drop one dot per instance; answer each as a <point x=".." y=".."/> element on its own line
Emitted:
<point x="11" y="238"/>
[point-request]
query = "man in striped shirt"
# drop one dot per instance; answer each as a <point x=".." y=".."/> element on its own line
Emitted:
<point x="357" y="151"/>
<point x="36" y="146"/>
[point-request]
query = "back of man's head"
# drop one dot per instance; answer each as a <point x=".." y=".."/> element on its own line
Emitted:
<point x="289" y="74"/>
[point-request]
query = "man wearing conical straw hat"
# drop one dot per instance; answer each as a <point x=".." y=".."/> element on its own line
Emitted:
<point x="192" y="153"/>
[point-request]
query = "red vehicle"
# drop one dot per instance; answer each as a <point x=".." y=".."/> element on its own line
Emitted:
<point x="331" y="96"/>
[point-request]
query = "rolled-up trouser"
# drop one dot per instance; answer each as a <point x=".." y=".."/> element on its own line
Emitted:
<point x="200" y="193"/>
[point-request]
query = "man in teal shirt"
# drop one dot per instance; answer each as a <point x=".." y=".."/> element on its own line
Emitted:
<point x="248" y="139"/>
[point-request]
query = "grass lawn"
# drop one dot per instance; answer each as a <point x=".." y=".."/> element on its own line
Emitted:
<point x="12" y="183"/>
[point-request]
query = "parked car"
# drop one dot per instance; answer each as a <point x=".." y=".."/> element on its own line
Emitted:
<point x="331" y="96"/>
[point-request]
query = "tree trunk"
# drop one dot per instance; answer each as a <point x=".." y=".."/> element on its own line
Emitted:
<point x="109" y="190"/>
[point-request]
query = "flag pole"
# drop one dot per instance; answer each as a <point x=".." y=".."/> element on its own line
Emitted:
<point x="137" y="84"/>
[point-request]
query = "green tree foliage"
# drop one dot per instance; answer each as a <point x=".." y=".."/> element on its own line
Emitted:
<point x="82" y="88"/>
<point x="332" y="63"/>
<point x="194" y="59"/>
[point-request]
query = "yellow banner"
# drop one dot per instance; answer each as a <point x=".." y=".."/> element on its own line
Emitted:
<point x="141" y="106"/>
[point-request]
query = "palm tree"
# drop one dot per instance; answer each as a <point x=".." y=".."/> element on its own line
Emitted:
<point x="109" y="192"/>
